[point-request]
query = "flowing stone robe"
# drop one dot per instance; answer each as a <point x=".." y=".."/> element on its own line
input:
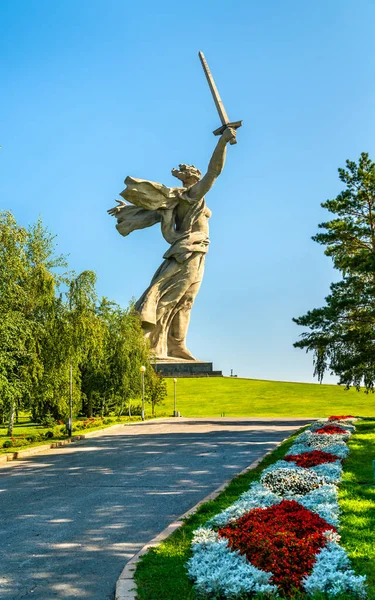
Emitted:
<point x="166" y="304"/>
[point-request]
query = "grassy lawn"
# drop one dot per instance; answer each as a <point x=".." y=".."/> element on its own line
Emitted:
<point x="357" y="500"/>
<point x="161" y="573"/>
<point x="211" y="396"/>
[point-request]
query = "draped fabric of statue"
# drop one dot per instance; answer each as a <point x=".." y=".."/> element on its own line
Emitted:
<point x="165" y="305"/>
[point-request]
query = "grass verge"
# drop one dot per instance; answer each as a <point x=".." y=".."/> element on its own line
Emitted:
<point x="357" y="501"/>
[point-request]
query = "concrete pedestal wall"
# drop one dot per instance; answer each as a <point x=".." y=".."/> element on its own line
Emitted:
<point x="186" y="368"/>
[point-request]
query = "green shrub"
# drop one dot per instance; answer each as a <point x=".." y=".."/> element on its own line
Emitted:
<point x="78" y="425"/>
<point x="34" y="437"/>
<point x="59" y="431"/>
<point x="15" y="442"/>
<point x="48" y="420"/>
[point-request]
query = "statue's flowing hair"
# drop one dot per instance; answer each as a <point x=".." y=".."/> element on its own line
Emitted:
<point x="183" y="170"/>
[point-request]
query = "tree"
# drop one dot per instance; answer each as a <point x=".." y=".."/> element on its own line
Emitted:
<point x="51" y="319"/>
<point x="156" y="389"/>
<point x="19" y="363"/>
<point x="342" y="333"/>
<point x="112" y="379"/>
<point x="46" y="273"/>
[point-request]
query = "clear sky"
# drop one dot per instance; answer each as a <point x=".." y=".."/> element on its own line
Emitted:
<point x="95" y="90"/>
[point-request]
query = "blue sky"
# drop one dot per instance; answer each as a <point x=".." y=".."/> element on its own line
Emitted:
<point x="93" y="91"/>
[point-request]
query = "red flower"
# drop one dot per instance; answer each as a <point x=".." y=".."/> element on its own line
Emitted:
<point x="282" y="539"/>
<point x="331" y="429"/>
<point x="311" y="459"/>
<point x="340" y="417"/>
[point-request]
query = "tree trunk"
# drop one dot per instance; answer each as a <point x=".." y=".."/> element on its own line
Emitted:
<point x="11" y="419"/>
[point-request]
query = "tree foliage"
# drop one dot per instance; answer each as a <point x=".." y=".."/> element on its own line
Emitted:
<point x="342" y="332"/>
<point x="51" y="318"/>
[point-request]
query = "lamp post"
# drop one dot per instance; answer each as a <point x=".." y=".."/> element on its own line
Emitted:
<point x="69" y="423"/>
<point x="143" y="369"/>
<point x="174" y="390"/>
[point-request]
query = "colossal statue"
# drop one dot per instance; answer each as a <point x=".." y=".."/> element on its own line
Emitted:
<point x="183" y="214"/>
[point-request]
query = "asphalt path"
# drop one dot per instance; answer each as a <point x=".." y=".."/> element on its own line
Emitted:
<point x="71" y="518"/>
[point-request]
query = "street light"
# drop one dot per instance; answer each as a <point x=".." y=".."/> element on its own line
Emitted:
<point x="174" y="405"/>
<point x="69" y="422"/>
<point x="143" y="369"/>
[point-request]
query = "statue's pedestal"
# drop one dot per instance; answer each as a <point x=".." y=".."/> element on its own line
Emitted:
<point x="185" y="368"/>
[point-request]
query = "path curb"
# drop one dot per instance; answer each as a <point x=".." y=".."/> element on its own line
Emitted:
<point x="126" y="588"/>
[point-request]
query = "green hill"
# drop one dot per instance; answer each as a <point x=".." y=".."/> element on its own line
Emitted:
<point x="210" y="397"/>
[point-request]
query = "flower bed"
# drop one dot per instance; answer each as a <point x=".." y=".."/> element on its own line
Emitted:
<point x="280" y="537"/>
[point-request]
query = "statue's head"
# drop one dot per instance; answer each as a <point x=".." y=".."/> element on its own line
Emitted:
<point x="188" y="174"/>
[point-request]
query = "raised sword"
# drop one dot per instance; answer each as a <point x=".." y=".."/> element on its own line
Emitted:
<point x="218" y="101"/>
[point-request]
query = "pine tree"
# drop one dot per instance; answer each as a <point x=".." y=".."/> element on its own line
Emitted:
<point x="342" y="333"/>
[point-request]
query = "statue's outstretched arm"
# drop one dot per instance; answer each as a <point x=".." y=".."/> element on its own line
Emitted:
<point x="116" y="209"/>
<point x="215" y="166"/>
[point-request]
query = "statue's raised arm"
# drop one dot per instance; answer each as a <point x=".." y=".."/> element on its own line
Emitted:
<point x="215" y="166"/>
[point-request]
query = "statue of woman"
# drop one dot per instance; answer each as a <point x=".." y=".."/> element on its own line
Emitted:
<point x="166" y="304"/>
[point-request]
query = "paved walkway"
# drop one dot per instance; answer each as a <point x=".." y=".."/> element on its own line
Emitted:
<point x="72" y="517"/>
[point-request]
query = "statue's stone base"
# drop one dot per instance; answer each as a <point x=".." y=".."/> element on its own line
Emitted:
<point x="185" y="368"/>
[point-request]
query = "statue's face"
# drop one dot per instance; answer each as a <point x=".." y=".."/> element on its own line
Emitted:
<point x="189" y="175"/>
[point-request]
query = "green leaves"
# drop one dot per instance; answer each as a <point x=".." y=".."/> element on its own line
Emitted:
<point x="51" y="318"/>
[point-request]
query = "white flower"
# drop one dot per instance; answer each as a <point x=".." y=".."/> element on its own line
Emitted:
<point x="219" y="571"/>
<point x="282" y="464"/>
<point x="323" y="501"/>
<point x="258" y="496"/>
<point x="332" y="536"/>
<point x="292" y="480"/>
<point x="330" y="472"/>
<point x="332" y="574"/>
<point x="321" y="440"/>
<point x="203" y="536"/>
